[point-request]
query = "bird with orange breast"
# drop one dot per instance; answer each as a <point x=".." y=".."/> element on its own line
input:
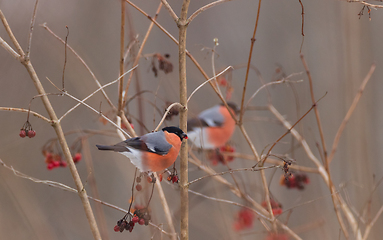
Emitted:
<point x="213" y="127"/>
<point x="152" y="152"/>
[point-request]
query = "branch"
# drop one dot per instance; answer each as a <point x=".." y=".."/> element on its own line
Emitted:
<point x="214" y="77"/>
<point x="69" y="189"/>
<point x="26" y="110"/>
<point x="11" y="36"/>
<point x="99" y="89"/>
<point x="31" y="30"/>
<point x="170" y="10"/>
<point x="249" y="63"/>
<point x="44" y="25"/>
<point x="166" y="113"/>
<point x="9" y="49"/>
<point x="139" y="53"/>
<point x="231" y="171"/>
<point x="350" y="111"/>
<point x="204" y="8"/>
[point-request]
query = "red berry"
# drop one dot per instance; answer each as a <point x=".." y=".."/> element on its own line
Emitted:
<point x="141" y="221"/>
<point x="277" y="211"/>
<point x="138" y="187"/>
<point x="56" y="163"/>
<point x="135" y="219"/>
<point x="116" y="228"/>
<point x="22" y="133"/>
<point x="77" y="157"/>
<point x="31" y="133"/>
<point x="50" y="166"/>
<point x="175" y="179"/>
<point x="63" y="164"/>
<point x="160" y="177"/>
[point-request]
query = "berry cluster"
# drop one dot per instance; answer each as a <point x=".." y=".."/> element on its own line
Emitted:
<point x="54" y="160"/>
<point x="172" y="175"/>
<point x="244" y="220"/>
<point x="140" y="216"/>
<point x="276" y="206"/>
<point x="173" y="178"/>
<point x="218" y="155"/>
<point x="27" y="130"/>
<point x="222" y="81"/>
<point x="296" y="180"/>
<point x="163" y="64"/>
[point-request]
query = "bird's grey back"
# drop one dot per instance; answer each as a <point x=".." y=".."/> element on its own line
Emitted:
<point x="212" y="116"/>
<point x="156" y="142"/>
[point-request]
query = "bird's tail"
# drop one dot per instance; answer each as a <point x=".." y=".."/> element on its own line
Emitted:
<point x="104" y="147"/>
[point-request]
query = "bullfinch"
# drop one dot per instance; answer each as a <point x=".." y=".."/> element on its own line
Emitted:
<point x="152" y="152"/>
<point x="213" y="127"/>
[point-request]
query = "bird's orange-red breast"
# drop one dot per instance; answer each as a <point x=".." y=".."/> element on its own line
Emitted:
<point x="152" y="152"/>
<point x="213" y="127"/>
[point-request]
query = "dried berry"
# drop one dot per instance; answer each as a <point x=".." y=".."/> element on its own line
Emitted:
<point x="138" y="187"/>
<point x="175" y="179"/>
<point x="141" y="221"/>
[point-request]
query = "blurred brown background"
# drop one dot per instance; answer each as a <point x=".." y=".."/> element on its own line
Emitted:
<point x="339" y="49"/>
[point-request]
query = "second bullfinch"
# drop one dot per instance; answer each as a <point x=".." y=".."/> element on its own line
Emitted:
<point x="152" y="152"/>
<point x="213" y="127"/>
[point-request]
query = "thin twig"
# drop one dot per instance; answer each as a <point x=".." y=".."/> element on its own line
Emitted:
<point x="324" y="148"/>
<point x="231" y="171"/>
<point x="202" y="84"/>
<point x="283" y="80"/>
<point x="122" y="48"/>
<point x="140" y="50"/>
<point x="65" y="58"/>
<point x="170" y="10"/>
<point x="9" y="49"/>
<point x="350" y="111"/>
<point x="27" y="53"/>
<point x="44" y="25"/>
<point x="99" y="89"/>
<point x="366" y="4"/>
<point x="69" y="189"/>
<point x="94" y="110"/>
<point x="230" y="202"/>
<point x="204" y="8"/>
<point x="26" y="110"/>
<point x="166" y="113"/>
<point x="347" y="212"/>
<point x="289" y="130"/>
<point x="11" y="36"/>
<point x="372" y="223"/>
<point x="249" y="62"/>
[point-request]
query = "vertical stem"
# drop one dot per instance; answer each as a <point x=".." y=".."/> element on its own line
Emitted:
<point x="249" y="61"/>
<point x="182" y="25"/>
<point x="122" y="46"/>
<point x="64" y="145"/>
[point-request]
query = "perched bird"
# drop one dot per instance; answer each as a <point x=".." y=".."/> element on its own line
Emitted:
<point x="152" y="152"/>
<point x="213" y="127"/>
